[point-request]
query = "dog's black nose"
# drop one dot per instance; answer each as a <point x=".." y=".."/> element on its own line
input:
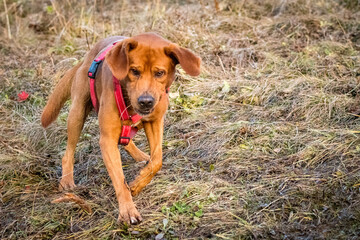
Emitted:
<point x="146" y="101"/>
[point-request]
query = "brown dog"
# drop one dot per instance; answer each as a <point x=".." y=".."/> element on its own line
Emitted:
<point x="145" y="65"/>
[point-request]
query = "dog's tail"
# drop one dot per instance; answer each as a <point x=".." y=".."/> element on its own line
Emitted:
<point x="61" y="93"/>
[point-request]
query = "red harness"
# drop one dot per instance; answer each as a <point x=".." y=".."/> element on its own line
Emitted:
<point x="127" y="132"/>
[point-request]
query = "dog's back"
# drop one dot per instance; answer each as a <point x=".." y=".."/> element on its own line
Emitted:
<point x="62" y="91"/>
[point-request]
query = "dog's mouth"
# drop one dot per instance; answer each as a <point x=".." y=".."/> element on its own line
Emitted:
<point x="144" y="112"/>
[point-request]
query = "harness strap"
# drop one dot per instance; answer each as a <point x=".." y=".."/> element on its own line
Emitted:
<point x="125" y="135"/>
<point x="93" y="94"/>
<point x="120" y="102"/>
<point x="135" y="118"/>
<point x="127" y="132"/>
<point x="92" y="74"/>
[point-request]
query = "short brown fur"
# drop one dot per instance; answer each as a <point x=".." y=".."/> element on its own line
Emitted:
<point x="145" y="65"/>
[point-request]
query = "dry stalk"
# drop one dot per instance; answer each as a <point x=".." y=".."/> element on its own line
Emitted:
<point x="7" y="20"/>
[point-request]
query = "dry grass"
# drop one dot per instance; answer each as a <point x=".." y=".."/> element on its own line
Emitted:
<point x="263" y="145"/>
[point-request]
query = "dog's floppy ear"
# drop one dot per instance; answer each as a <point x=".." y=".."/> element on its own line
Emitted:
<point x="118" y="58"/>
<point x="188" y="61"/>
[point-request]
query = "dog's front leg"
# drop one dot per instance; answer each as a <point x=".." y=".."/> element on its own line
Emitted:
<point x="136" y="154"/>
<point x="154" y="133"/>
<point x="110" y="128"/>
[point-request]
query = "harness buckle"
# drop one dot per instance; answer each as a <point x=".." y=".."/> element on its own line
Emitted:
<point x="93" y="68"/>
<point x="127" y="138"/>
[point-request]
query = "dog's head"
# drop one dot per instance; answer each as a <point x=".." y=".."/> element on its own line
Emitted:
<point x="146" y="65"/>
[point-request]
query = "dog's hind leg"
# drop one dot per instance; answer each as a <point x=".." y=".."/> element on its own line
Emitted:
<point x="79" y="110"/>
<point x="76" y="120"/>
<point x="136" y="153"/>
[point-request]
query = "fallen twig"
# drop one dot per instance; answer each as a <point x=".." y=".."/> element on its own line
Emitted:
<point x="70" y="197"/>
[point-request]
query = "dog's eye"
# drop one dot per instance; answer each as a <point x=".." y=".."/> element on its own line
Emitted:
<point x="135" y="72"/>
<point x="159" y="74"/>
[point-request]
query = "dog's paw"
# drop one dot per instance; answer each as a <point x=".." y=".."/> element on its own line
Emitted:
<point x="66" y="184"/>
<point x="129" y="214"/>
